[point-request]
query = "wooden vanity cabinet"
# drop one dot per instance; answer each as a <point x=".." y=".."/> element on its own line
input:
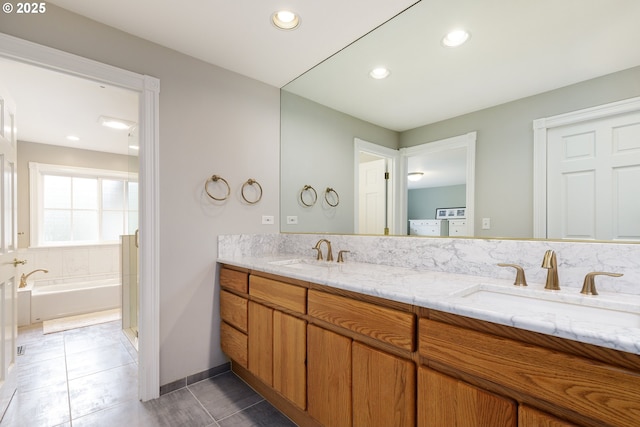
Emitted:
<point x="589" y="391"/>
<point x="445" y="401"/>
<point x="261" y="342"/>
<point x="329" y="357"/>
<point x="290" y="357"/>
<point x="384" y="388"/>
<point x="329" y="377"/>
<point x="234" y="314"/>
<point x="530" y="417"/>
<point x="277" y="341"/>
<point x="353" y="383"/>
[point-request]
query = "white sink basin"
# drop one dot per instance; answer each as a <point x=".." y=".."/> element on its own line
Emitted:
<point x="579" y="308"/>
<point x="302" y="264"/>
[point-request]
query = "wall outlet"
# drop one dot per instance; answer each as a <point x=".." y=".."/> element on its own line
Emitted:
<point x="292" y="219"/>
<point x="486" y="223"/>
<point x="267" y="219"/>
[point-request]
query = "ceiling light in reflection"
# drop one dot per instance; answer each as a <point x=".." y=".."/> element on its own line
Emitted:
<point x="415" y="176"/>
<point x="455" y="38"/>
<point x="379" y="73"/>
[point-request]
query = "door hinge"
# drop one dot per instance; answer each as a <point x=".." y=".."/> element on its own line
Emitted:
<point x="386" y="175"/>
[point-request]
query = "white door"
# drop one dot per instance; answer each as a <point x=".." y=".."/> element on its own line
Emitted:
<point x="8" y="235"/>
<point x="372" y="197"/>
<point x="593" y="179"/>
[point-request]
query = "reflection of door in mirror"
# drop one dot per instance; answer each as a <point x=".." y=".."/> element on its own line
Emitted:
<point x="446" y="171"/>
<point x="593" y="174"/>
<point x="374" y="179"/>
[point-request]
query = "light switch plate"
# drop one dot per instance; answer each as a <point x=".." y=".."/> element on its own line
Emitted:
<point x="292" y="219"/>
<point x="486" y="223"/>
<point x="267" y="219"/>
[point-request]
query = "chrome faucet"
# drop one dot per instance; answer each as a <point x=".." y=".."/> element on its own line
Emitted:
<point x="23" y="278"/>
<point x="318" y="248"/>
<point x="551" y="264"/>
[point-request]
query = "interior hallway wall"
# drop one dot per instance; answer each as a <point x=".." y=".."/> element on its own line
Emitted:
<point x="212" y="121"/>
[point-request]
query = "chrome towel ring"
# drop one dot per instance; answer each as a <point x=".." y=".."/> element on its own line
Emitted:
<point x="251" y="182"/>
<point x="216" y="178"/>
<point x="327" y="195"/>
<point x="312" y="191"/>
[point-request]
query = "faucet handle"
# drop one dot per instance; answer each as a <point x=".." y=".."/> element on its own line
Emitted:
<point x="17" y="261"/>
<point x="341" y="255"/>
<point x="589" y="285"/>
<point x="520" y="278"/>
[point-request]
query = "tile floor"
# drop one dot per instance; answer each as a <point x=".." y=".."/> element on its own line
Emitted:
<point x="88" y="377"/>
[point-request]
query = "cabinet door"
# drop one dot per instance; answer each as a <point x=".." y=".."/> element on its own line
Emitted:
<point x="445" y="401"/>
<point x="383" y="388"/>
<point x="260" y="342"/>
<point x="529" y="417"/>
<point x="290" y="357"/>
<point x="329" y="377"/>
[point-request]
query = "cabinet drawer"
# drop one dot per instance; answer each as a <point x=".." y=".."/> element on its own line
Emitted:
<point x="233" y="310"/>
<point x="234" y="280"/>
<point x="233" y="343"/>
<point x="383" y="324"/>
<point x="605" y="393"/>
<point x="281" y="294"/>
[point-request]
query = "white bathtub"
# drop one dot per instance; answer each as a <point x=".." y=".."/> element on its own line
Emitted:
<point x="51" y="301"/>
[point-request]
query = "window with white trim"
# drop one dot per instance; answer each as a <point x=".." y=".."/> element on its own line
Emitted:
<point x="73" y="206"/>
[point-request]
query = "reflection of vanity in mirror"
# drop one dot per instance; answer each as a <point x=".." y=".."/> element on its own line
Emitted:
<point x="336" y="120"/>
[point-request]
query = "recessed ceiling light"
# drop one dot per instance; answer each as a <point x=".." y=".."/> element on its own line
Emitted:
<point x="73" y="138"/>
<point x="415" y="176"/>
<point x="114" y="123"/>
<point x="285" y="20"/>
<point x="455" y="38"/>
<point x="379" y="73"/>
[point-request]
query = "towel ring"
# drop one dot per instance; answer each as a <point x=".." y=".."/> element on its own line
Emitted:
<point x="251" y="182"/>
<point x="328" y="191"/>
<point x="216" y="178"/>
<point x="310" y="189"/>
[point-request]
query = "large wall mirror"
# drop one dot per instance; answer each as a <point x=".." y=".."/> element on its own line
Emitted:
<point x="523" y="62"/>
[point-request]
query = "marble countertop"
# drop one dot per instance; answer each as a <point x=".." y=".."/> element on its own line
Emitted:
<point x="609" y="320"/>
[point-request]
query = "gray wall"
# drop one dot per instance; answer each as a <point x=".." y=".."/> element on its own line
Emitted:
<point x="53" y="155"/>
<point x="317" y="150"/>
<point x="423" y="202"/>
<point x="211" y="121"/>
<point x="504" y="150"/>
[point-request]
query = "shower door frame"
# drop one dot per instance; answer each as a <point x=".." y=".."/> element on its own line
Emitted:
<point x="148" y="87"/>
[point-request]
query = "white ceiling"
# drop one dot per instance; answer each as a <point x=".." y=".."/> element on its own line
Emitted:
<point x="517" y="48"/>
<point x="51" y="106"/>
<point x="238" y="34"/>
<point x="441" y="169"/>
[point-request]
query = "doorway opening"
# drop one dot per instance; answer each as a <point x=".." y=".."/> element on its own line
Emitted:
<point x="147" y="89"/>
<point x="376" y="187"/>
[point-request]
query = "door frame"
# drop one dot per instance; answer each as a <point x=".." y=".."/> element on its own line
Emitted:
<point x="540" y="129"/>
<point x="466" y="141"/>
<point x="148" y="87"/>
<point x="392" y="156"/>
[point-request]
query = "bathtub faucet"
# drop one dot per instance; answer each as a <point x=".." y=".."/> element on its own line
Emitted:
<point x="23" y="278"/>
